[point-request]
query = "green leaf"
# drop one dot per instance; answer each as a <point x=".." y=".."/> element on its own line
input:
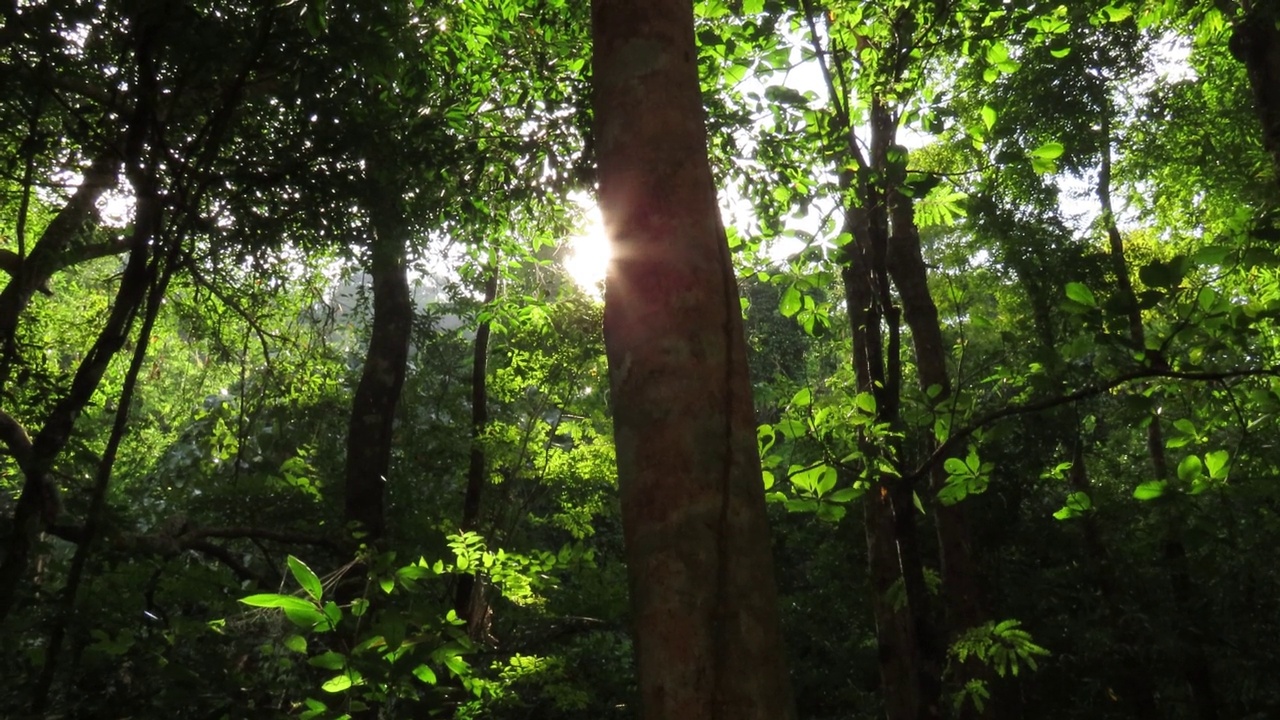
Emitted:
<point x="272" y="600"/>
<point x="457" y="665"/>
<point x="791" y="302"/>
<point x="338" y="683"/>
<point x="1216" y="463"/>
<point x="955" y="466"/>
<point x="305" y="577"/>
<point x="1211" y="255"/>
<point x="814" y="479"/>
<point x="1117" y="14"/>
<point x="1190" y="468"/>
<point x="997" y="53"/>
<point x="827" y="482"/>
<point x="1048" y="151"/>
<point x="296" y="643"/>
<point x="1149" y="490"/>
<point x="1042" y="166"/>
<point x="329" y="661"/>
<point x="425" y="674"/>
<point x="387" y="584"/>
<point x="785" y="96"/>
<point x="803" y="398"/>
<point x="831" y="513"/>
<point x="866" y="402"/>
<point x="988" y="116"/>
<point x="844" y="495"/>
<point x="1081" y="294"/>
<point x="952" y="493"/>
<point x="797" y="505"/>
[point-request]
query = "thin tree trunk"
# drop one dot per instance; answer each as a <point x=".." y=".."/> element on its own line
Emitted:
<point x="703" y="598"/>
<point x="373" y="408"/>
<point x="38" y="504"/>
<point x="961" y="586"/>
<point x="469" y="600"/>
<point x="98" y="502"/>
<point x="1197" y="670"/>
<point x="1133" y="684"/>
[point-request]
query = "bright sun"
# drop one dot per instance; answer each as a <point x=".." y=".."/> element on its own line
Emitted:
<point x="589" y="250"/>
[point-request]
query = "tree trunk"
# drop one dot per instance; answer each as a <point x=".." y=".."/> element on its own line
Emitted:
<point x="1255" y="42"/>
<point x="961" y="586"/>
<point x="469" y="600"/>
<point x="373" y="409"/>
<point x="38" y="504"/>
<point x="703" y="599"/>
<point x="102" y="482"/>
<point x="1197" y="671"/>
<point x="50" y="253"/>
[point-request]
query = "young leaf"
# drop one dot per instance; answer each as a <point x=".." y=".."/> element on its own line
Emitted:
<point x="802" y="398"/>
<point x="1149" y="490"/>
<point x="337" y="683"/>
<point x="305" y="577"/>
<point x="1190" y="468"/>
<point x="988" y="116"/>
<point x="1081" y="294"/>
<point x="1048" y="151"/>
<point x="1216" y="463"/>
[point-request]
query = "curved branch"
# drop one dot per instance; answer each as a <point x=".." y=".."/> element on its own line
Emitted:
<point x="15" y="437"/>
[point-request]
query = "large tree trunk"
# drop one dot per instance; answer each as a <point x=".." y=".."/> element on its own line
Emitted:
<point x="703" y="599"/>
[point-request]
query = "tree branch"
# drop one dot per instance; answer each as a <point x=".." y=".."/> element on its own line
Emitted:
<point x="15" y="437"/>
<point x="948" y="446"/>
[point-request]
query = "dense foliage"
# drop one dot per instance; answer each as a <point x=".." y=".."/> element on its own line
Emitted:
<point x="301" y="414"/>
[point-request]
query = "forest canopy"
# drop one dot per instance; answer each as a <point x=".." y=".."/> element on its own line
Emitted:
<point x="306" y="409"/>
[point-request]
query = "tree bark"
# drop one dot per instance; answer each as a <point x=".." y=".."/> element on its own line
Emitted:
<point x="703" y="599"/>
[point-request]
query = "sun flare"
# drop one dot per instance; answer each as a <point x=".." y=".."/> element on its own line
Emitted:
<point x="589" y="251"/>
